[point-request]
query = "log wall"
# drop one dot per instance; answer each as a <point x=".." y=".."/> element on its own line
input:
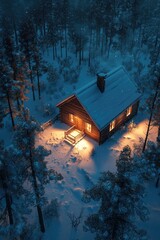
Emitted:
<point x="81" y="117"/>
<point x="119" y="121"/>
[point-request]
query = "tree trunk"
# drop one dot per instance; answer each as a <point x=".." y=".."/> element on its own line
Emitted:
<point x="53" y="54"/>
<point x="158" y="136"/>
<point x="102" y="43"/>
<point x="10" y="110"/>
<point x="39" y="210"/>
<point x="44" y="23"/>
<point x="18" y="104"/>
<point x="80" y="57"/>
<point x="56" y="55"/>
<point x="38" y="82"/>
<point x="157" y="182"/>
<point x="66" y="43"/>
<point x="156" y="53"/>
<point x="89" y="51"/>
<point x="97" y="37"/>
<point x="15" y="32"/>
<point x="61" y="48"/>
<point x="151" y="115"/>
<point x="8" y="200"/>
<point x="31" y="78"/>
<point x="32" y="84"/>
<point x="109" y="47"/>
<point x="61" y="43"/>
<point x="140" y="35"/>
<point x="147" y="133"/>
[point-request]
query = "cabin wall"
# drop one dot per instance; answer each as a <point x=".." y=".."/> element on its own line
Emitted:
<point x="75" y="108"/>
<point x="121" y="119"/>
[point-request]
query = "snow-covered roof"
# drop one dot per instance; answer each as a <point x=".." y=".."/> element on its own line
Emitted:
<point x="120" y="92"/>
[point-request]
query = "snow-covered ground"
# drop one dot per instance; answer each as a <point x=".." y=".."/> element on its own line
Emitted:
<point x="81" y="166"/>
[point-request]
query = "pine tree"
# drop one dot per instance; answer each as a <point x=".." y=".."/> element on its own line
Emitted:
<point x="7" y="86"/>
<point x="39" y="67"/>
<point x="12" y="12"/>
<point x="13" y="205"/>
<point x="152" y="156"/>
<point x="121" y="202"/>
<point x="19" y="69"/>
<point x="153" y="101"/>
<point x="64" y="15"/>
<point x="52" y="36"/>
<point x="28" y="41"/>
<point x="34" y="161"/>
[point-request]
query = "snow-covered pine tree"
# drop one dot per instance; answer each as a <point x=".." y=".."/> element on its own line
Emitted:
<point x="42" y="10"/>
<point x="12" y="11"/>
<point x="24" y="140"/>
<point x="19" y="68"/>
<point x="3" y="104"/>
<point x="39" y="66"/>
<point x="153" y="101"/>
<point x="28" y="40"/>
<point x="156" y="112"/>
<point x="63" y="21"/>
<point x="13" y="202"/>
<point x="34" y="164"/>
<point x="2" y="111"/>
<point x="8" y="87"/>
<point x="4" y="183"/>
<point x="153" y="36"/>
<point x="52" y="77"/>
<point x="52" y="35"/>
<point x="20" y="75"/>
<point x="152" y="156"/>
<point x="121" y="202"/>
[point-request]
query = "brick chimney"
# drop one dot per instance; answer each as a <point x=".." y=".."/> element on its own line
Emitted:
<point x="101" y="81"/>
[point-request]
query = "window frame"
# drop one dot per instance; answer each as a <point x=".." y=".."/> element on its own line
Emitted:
<point x="129" y="111"/>
<point x="71" y="117"/>
<point x="112" y="125"/>
<point x="88" y="127"/>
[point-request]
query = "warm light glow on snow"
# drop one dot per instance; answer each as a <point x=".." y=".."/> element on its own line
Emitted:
<point x="133" y="136"/>
<point x="53" y="138"/>
<point x="84" y="144"/>
<point x="87" y="153"/>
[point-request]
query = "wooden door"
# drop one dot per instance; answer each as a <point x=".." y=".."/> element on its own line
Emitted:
<point x="79" y="123"/>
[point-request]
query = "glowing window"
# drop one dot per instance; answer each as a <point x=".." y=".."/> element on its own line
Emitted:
<point x="129" y="110"/>
<point x="88" y="127"/>
<point x="71" y="117"/>
<point x="112" y="125"/>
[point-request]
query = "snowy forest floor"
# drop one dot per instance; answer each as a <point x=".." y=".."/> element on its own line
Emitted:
<point x="82" y="164"/>
<point x="80" y="167"/>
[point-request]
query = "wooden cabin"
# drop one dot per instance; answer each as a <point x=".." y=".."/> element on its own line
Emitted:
<point x="102" y="106"/>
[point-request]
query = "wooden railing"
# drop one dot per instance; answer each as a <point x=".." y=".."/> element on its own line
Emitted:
<point x="49" y="122"/>
<point x="73" y="139"/>
<point x="69" y="130"/>
<point x="69" y="137"/>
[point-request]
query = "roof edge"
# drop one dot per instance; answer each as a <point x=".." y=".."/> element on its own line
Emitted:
<point x="87" y="113"/>
<point x="65" y="100"/>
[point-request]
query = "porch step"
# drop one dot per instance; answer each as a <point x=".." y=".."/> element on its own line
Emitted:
<point x="70" y="138"/>
<point x="73" y="142"/>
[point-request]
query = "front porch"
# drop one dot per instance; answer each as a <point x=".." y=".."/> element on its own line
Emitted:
<point x="73" y="135"/>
